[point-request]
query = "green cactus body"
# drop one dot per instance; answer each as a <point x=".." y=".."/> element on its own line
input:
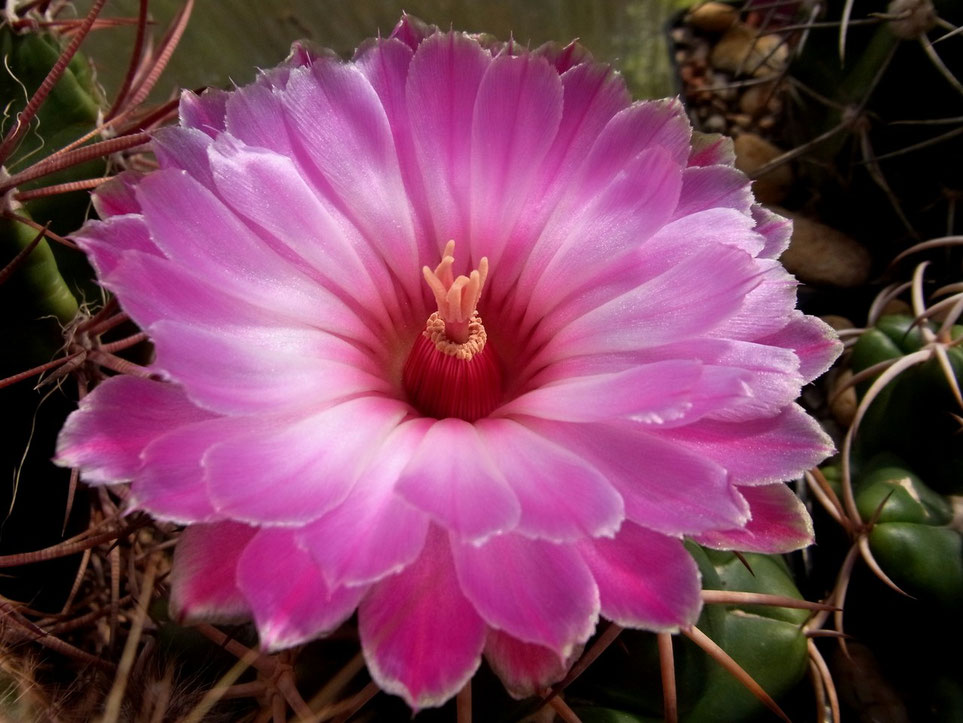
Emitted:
<point x="911" y="539"/>
<point x="767" y="641"/>
<point x="912" y="416"/>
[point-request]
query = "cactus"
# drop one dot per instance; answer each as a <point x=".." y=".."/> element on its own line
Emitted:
<point x="891" y="492"/>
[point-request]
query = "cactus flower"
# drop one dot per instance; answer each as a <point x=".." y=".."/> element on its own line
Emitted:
<point x="456" y="336"/>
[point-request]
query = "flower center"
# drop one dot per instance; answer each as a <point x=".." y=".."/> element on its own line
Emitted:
<point x="451" y="370"/>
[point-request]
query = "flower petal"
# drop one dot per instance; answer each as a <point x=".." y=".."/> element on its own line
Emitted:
<point x="780" y="523"/>
<point x="536" y="591"/>
<point x="193" y="228"/>
<point x="203" y="578"/>
<point x="205" y="111"/>
<point x="453" y="478"/>
<point x="114" y="423"/>
<point x="258" y="369"/>
<point x="338" y="121"/>
<point x="170" y="486"/>
<point x="665" y="487"/>
<point x="647" y="393"/>
<point x="646" y="580"/>
<point x="286" y="592"/>
<point x="268" y="189"/>
<point x="184" y="149"/>
<point x="639" y="128"/>
<point x="587" y="239"/>
<point x="516" y="116"/>
<point x="281" y="474"/>
<point x="561" y="497"/>
<point x="592" y="94"/>
<point x="374" y="532"/>
<point x="116" y="196"/>
<point x="696" y="296"/>
<point x="421" y="637"/>
<point x="443" y="81"/>
<point x="524" y="668"/>
<point x="815" y="343"/>
<point x="107" y="243"/>
<point x="760" y="451"/>
<point x="713" y="187"/>
<point x="776" y="229"/>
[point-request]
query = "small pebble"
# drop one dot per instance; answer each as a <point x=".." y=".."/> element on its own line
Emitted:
<point x="754" y="98"/>
<point x="837" y="322"/>
<point x="819" y="254"/>
<point x="752" y="153"/>
<point x="715" y="123"/>
<point x="741" y="51"/>
<point x="843" y="402"/>
<point x="712" y="17"/>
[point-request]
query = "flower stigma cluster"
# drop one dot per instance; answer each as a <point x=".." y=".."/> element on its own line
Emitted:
<point x="451" y="370"/>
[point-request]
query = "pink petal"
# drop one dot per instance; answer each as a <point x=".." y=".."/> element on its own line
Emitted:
<point x="641" y="127"/>
<point x="766" y="308"/>
<point x="443" y="81"/>
<point x="184" y="216"/>
<point x="106" y="243"/>
<point x="713" y="187"/>
<point x="565" y="57"/>
<point x="592" y="94"/>
<point x="516" y="116"/>
<point x="420" y="636"/>
<point x="453" y="477"/>
<point x="757" y="452"/>
<point x="770" y="373"/>
<point x="385" y="64"/>
<point x="154" y="288"/>
<point x="116" y="197"/>
<point x="691" y="298"/>
<point x="536" y="591"/>
<point x="255" y="115"/>
<point x="258" y="369"/>
<point x="665" y="487"/>
<point x="646" y="580"/>
<point x="561" y="497"/>
<point x="293" y="471"/>
<point x="648" y="393"/>
<point x="184" y="149"/>
<point x="525" y="669"/>
<point x="711" y="149"/>
<point x="412" y="31"/>
<point x="114" y="423"/>
<point x="269" y="190"/>
<point x="170" y="485"/>
<point x="338" y="121"/>
<point x="697" y="231"/>
<point x="287" y="594"/>
<point x="374" y="532"/>
<point x="587" y="241"/>
<point x="204" y="112"/>
<point x="780" y="523"/>
<point x="774" y="228"/>
<point x="203" y="579"/>
<point x="815" y="343"/>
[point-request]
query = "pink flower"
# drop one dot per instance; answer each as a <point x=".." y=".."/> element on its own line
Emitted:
<point x="339" y="428"/>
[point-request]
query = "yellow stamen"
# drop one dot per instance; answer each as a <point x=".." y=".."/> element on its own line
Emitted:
<point x="457" y="298"/>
